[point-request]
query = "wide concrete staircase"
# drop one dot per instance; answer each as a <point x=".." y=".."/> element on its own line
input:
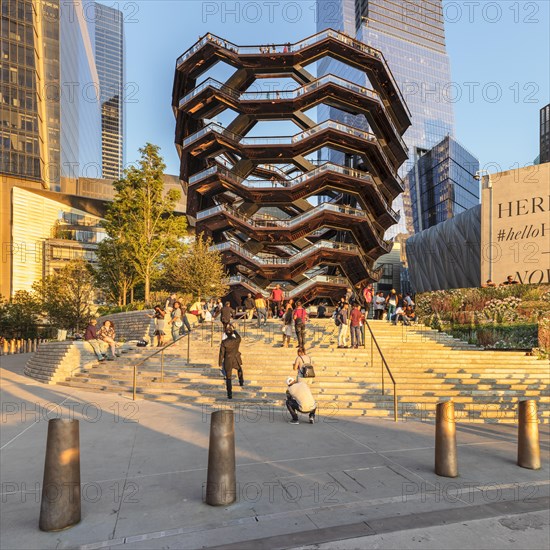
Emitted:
<point x="427" y="366"/>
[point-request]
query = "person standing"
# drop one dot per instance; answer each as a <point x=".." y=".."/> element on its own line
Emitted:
<point x="91" y="337"/>
<point x="249" y="306"/>
<point x="299" y="399"/>
<point x="176" y="320"/>
<point x="261" y="309"/>
<point x="158" y="316"/>
<point x="356" y="327"/>
<point x="391" y="303"/>
<point x="300" y="318"/>
<point x="287" y="325"/>
<point x="230" y="358"/>
<point x="107" y="334"/>
<point x="227" y="313"/>
<point x="321" y="310"/>
<point x="368" y="295"/>
<point x="185" y="320"/>
<point x="379" y="305"/>
<point x="276" y="300"/>
<point x="343" y="330"/>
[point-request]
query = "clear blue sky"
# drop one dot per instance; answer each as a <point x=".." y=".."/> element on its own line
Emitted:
<point x="499" y="51"/>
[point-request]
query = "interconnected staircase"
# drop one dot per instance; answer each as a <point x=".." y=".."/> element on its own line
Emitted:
<point x="427" y="366"/>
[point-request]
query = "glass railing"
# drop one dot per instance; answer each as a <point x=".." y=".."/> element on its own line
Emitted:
<point x="292" y="48"/>
<point x="263" y="184"/>
<point x="276" y="260"/>
<point x="278" y="48"/>
<point x="288" y="140"/>
<point x="265" y="221"/>
<point x="300" y="289"/>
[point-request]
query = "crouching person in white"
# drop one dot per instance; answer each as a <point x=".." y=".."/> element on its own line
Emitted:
<point x="299" y="399"/>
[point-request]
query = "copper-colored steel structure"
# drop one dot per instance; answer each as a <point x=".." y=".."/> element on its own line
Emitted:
<point x="275" y="213"/>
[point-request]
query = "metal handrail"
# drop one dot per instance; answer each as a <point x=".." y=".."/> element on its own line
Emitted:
<point x="161" y="351"/>
<point x="384" y="365"/>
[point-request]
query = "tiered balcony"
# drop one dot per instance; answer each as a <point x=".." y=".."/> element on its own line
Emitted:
<point x="274" y="213"/>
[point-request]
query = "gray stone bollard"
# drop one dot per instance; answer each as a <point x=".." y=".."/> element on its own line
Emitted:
<point x="221" y="478"/>
<point x="61" y="503"/>
<point x="528" y="435"/>
<point x="446" y="463"/>
<point x="12" y="347"/>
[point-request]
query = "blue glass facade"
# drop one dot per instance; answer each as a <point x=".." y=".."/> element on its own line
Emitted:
<point x="442" y="184"/>
<point x="109" y="55"/>
<point x="412" y="38"/>
<point x="79" y="97"/>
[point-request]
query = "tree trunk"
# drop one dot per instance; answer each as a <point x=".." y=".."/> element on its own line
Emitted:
<point x="132" y="294"/>
<point x="147" y="288"/>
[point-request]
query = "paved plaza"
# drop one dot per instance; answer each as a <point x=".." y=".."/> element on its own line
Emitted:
<point x="339" y="484"/>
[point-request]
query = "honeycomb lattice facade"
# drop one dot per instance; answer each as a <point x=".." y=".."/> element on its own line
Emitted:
<point x="277" y="214"/>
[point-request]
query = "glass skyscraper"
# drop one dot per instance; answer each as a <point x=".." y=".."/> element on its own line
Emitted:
<point x="411" y="35"/>
<point x="109" y="55"/>
<point x="443" y="184"/>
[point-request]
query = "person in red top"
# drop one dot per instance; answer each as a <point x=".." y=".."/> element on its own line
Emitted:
<point x="356" y="327"/>
<point x="300" y="318"/>
<point x="276" y="300"/>
<point x="368" y="294"/>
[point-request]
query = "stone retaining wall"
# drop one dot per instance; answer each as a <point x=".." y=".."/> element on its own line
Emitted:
<point x="131" y="325"/>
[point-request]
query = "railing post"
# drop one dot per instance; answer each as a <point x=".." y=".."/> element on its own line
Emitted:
<point x="365" y="335"/>
<point x="394" y="402"/>
<point x="162" y="366"/>
<point x="212" y="334"/>
<point x="382" y="365"/>
<point x="134" y="384"/>
<point x="188" y="345"/>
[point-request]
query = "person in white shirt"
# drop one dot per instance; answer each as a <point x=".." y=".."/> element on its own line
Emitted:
<point x="299" y="399"/>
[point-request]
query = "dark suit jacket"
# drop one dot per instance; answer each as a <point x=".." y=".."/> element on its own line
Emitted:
<point x="227" y="313"/>
<point x="230" y="357"/>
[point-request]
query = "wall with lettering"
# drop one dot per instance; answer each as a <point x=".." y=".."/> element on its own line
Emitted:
<point x="515" y="225"/>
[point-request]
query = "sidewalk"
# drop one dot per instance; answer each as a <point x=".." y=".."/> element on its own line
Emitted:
<point x="143" y="468"/>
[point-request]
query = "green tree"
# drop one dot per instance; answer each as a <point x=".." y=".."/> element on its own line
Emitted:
<point x="199" y="272"/>
<point x="142" y="217"/>
<point x="116" y="273"/>
<point x="67" y="296"/>
<point x="20" y="316"/>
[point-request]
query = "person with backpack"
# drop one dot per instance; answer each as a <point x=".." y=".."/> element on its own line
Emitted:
<point x="300" y="319"/>
<point x="302" y="360"/>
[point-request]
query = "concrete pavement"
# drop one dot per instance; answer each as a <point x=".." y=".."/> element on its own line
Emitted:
<point x="341" y="483"/>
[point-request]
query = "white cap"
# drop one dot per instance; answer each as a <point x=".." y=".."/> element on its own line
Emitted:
<point x="289" y="380"/>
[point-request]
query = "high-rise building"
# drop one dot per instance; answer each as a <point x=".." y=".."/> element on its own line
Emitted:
<point x="50" y="115"/>
<point x="411" y="35"/>
<point x="544" y="154"/>
<point x="109" y="55"/>
<point x="442" y="184"/>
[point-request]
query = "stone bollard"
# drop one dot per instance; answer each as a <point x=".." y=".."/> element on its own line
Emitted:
<point x="60" y="508"/>
<point x="12" y="347"/>
<point x="528" y="435"/>
<point x="21" y="346"/>
<point x="29" y="345"/>
<point x="446" y="463"/>
<point x="5" y="347"/>
<point x="220" y="483"/>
